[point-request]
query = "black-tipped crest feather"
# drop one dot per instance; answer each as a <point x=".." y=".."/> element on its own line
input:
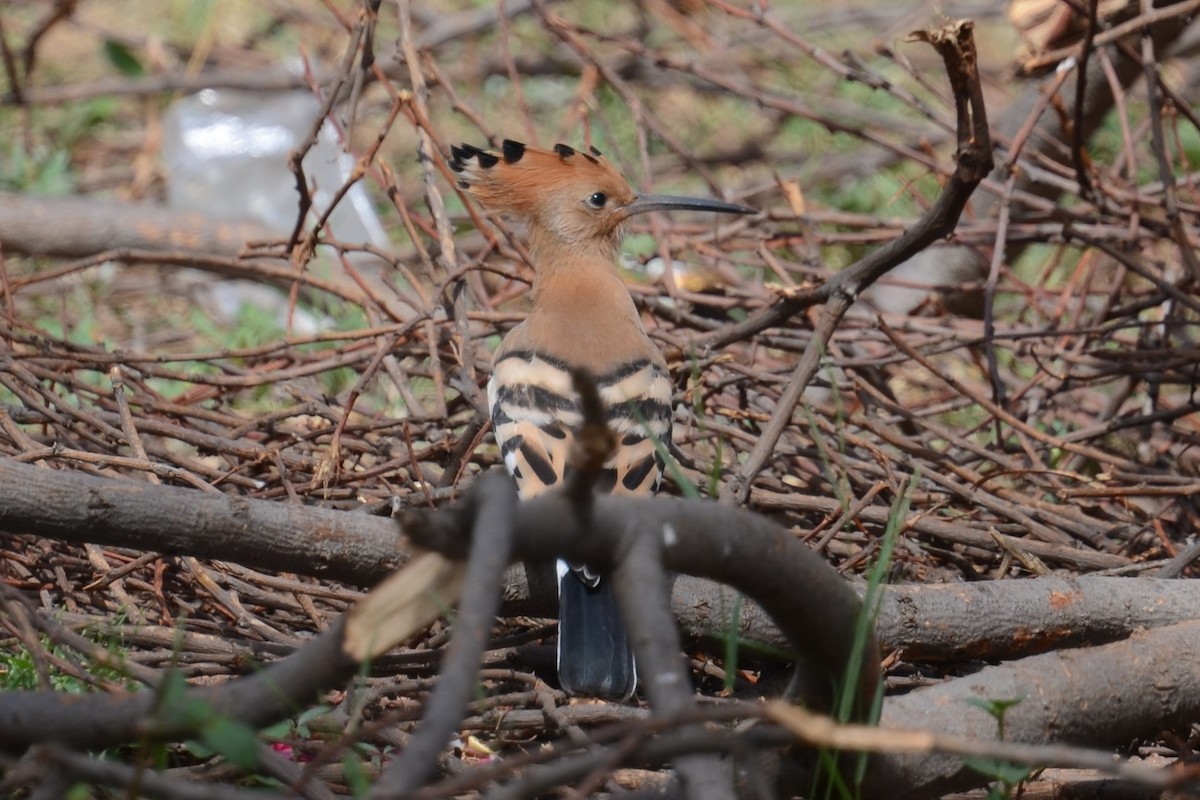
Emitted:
<point x="559" y="192"/>
<point x="512" y="151"/>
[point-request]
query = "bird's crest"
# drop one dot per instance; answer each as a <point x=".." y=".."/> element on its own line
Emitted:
<point x="546" y="186"/>
<point x="566" y="194"/>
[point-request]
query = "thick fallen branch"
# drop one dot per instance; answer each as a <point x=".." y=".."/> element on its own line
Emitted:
<point x="96" y="231"/>
<point x="809" y="600"/>
<point x="695" y="537"/>
<point x="1151" y="682"/>
<point x="77" y="227"/>
<point x="74" y="507"/>
<point x="985" y="620"/>
<point x="1005" y="619"/>
<point x="96" y="721"/>
<point x="820" y="731"/>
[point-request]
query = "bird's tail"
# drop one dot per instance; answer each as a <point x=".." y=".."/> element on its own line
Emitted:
<point x="594" y="656"/>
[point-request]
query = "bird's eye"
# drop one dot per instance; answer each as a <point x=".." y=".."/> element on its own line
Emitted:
<point x="597" y="200"/>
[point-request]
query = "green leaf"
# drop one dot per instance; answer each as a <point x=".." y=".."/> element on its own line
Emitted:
<point x="279" y="730"/>
<point x="171" y="689"/>
<point x="1002" y="771"/>
<point x="123" y="59"/>
<point x="238" y="743"/>
<point x="308" y="716"/>
<point x="732" y="640"/>
<point x="198" y="749"/>
<point x="356" y="776"/>
<point x="995" y="707"/>
<point x="80" y="791"/>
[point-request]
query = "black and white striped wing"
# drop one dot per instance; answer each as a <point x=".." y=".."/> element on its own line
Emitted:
<point x="637" y="397"/>
<point x="535" y="415"/>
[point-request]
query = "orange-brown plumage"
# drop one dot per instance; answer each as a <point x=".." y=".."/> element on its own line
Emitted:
<point x="581" y="316"/>
<point x="543" y="187"/>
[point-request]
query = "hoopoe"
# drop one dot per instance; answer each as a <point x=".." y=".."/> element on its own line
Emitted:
<point x="582" y="316"/>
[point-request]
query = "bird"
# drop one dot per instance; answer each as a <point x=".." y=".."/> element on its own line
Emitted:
<point x="581" y="317"/>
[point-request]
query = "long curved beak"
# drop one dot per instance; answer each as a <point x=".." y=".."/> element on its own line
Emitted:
<point x="666" y="202"/>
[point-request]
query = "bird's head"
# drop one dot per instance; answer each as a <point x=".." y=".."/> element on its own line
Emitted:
<point x="576" y="197"/>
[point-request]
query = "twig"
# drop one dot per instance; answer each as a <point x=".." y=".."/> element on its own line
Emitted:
<point x="61" y="10"/>
<point x="299" y="252"/>
<point x="1174" y="10"/>
<point x="491" y="541"/>
<point x="822" y="731"/>
<point x="974" y="155"/>
<point x="594" y="444"/>
<point x="136" y="777"/>
<point x="1077" y="141"/>
<point x="974" y="161"/>
<point x="643" y="591"/>
<point x="10" y="68"/>
<point x="447" y="256"/>
<point x="1187" y="250"/>
<point x="737" y="490"/>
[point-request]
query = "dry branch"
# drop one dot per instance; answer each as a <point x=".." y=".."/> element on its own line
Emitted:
<point x="96" y="721"/>
<point x="616" y="525"/>
<point x="727" y="545"/>
<point x="78" y="227"/>
<point x="704" y="538"/>
<point x="491" y="539"/>
<point x="990" y="620"/>
<point x="956" y="45"/>
<point x="1057" y="693"/>
<point x="928" y="623"/>
<point x="166" y="519"/>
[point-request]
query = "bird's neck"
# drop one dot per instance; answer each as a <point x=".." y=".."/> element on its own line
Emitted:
<point x="552" y="256"/>
<point x="582" y="311"/>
